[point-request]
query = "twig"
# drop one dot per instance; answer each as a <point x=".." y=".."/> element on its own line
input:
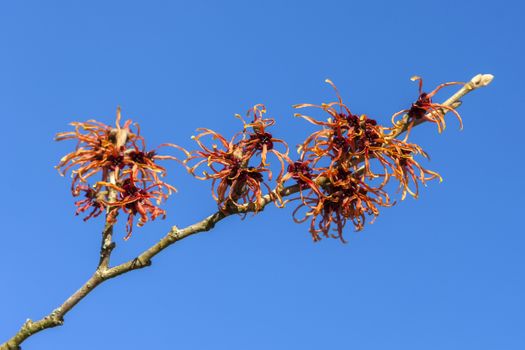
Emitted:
<point x="119" y="137"/>
<point x="104" y="273"/>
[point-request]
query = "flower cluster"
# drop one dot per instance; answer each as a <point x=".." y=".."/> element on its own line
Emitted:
<point x="237" y="167"/>
<point x="343" y="172"/>
<point x="343" y="168"/>
<point x="128" y="177"/>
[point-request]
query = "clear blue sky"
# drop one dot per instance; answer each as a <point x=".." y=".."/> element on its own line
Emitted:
<point x="441" y="272"/>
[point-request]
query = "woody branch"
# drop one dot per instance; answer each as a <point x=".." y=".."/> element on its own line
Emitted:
<point x="104" y="272"/>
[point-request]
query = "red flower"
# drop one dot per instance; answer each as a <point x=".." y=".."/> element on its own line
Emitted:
<point x="92" y="201"/>
<point x="129" y="177"/>
<point x="345" y="199"/>
<point x="236" y="179"/>
<point x="334" y="186"/>
<point x="135" y="197"/>
<point x="261" y="142"/>
<point x="425" y="109"/>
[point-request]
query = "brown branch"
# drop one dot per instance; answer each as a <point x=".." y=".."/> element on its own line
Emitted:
<point x="119" y="137"/>
<point x="104" y="273"/>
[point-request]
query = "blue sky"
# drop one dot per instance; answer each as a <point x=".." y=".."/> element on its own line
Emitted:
<point x="441" y="272"/>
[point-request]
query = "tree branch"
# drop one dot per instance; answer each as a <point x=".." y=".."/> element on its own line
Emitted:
<point x="104" y="273"/>
<point x="119" y="137"/>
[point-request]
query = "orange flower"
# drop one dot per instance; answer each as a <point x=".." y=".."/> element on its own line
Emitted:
<point x="235" y="181"/>
<point x="425" y="109"/>
<point x="406" y="169"/>
<point x="259" y="141"/>
<point x="129" y="176"/>
<point x="135" y="198"/>
<point x="345" y="199"/>
<point x="343" y="169"/>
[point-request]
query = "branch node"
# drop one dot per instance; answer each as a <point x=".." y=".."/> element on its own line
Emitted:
<point x="111" y="246"/>
<point x="27" y="324"/>
<point x="55" y="315"/>
<point x="137" y="263"/>
<point x="174" y="234"/>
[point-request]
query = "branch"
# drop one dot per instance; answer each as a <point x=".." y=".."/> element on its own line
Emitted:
<point x="104" y="273"/>
<point x="120" y="137"/>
